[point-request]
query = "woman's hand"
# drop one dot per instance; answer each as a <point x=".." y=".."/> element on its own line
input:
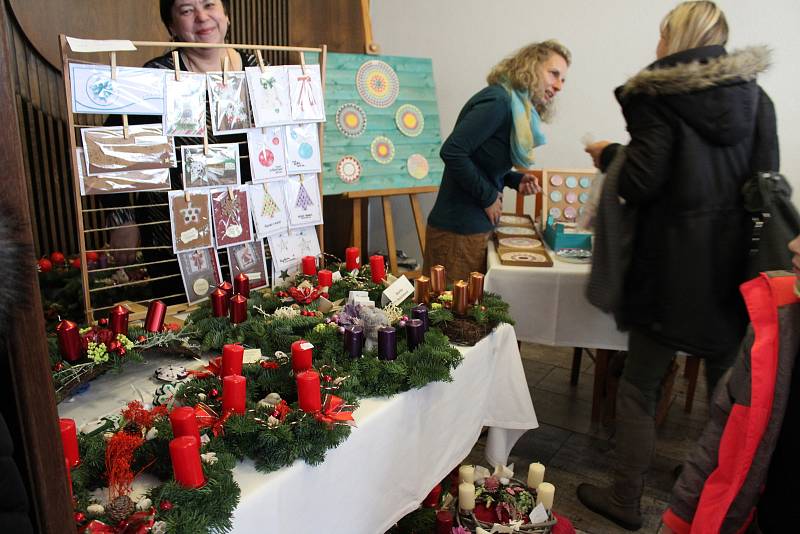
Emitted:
<point x="595" y="150"/>
<point x="495" y="210"/>
<point x="529" y="185"/>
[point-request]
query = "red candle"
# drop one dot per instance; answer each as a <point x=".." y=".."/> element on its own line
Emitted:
<point x="184" y="423"/>
<point x="438" y="279"/>
<point x="69" y="440"/>
<point x="432" y="500"/>
<point x="308" y="392"/>
<point x="309" y="265"/>
<point x="325" y="278"/>
<point x="377" y="268"/>
<point x="185" y="454"/>
<point x="460" y="297"/>
<point x="154" y="321"/>
<point x="119" y="320"/>
<point x="238" y="309"/>
<point x="352" y="258"/>
<point x="241" y="285"/>
<point x="69" y="340"/>
<point x="475" y="290"/>
<point x="232" y="358"/>
<point x="228" y="289"/>
<point x="219" y="303"/>
<point x="444" y="521"/>
<point x="302" y="352"/>
<point x="234" y="388"/>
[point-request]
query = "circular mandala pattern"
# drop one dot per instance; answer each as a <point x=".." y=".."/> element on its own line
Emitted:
<point x="382" y="149"/>
<point x="348" y="169"/>
<point x="514" y="219"/>
<point x="417" y="166"/>
<point x="515" y="230"/>
<point x="409" y="120"/>
<point x="519" y="242"/>
<point x="377" y="83"/>
<point x="351" y="120"/>
<point x="523" y="256"/>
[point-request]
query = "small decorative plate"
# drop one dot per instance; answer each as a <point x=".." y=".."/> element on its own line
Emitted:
<point x="351" y="119"/>
<point x="171" y="373"/>
<point x="382" y="149"/>
<point x="531" y="257"/>
<point x="348" y="169"/>
<point x="377" y="83"/>
<point x="409" y="120"/>
<point x="519" y="242"/>
<point x="515" y="230"/>
<point x="417" y="166"/>
<point x="514" y="219"/>
<point x="575" y="255"/>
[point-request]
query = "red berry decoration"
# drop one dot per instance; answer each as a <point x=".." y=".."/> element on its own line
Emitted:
<point x="59" y="366"/>
<point x="214" y="392"/>
<point x="165" y="505"/>
<point x="45" y="265"/>
<point x="57" y="258"/>
<point x="92" y="256"/>
<point x="328" y="378"/>
<point x="76" y="263"/>
<point x="103" y="321"/>
<point x="121" y="351"/>
<point x="141" y="339"/>
<point x="80" y="517"/>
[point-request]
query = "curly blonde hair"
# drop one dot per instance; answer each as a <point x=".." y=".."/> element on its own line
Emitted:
<point x="521" y="70"/>
<point x="692" y="25"/>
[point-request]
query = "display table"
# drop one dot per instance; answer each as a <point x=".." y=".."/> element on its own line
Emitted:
<point x="402" y="447"/>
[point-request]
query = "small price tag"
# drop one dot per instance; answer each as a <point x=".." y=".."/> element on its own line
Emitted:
<point x="538" y="514"/>
<point x="252" y="355"/>
<point x="306" y="346"/>
<point x="399" y="291"/>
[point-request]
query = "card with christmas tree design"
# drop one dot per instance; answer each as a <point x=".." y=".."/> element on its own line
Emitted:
<point x="190" y="217"/>
<point x="248" y="258"/>
<point x="267" y="148"/>
<point x="302" y="148"/>
<point x="303" y="200"/>
<point x="230" y="210"/>
<point x="228" y="102"/>
<point x="305" y="90"/>
<point x="185" y="105"/>
<point x="200" y="272"/>
<point x="268" y="206"/>
<point x="269" y="95"/>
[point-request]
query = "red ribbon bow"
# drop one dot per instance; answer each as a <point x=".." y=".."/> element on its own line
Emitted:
<point x="138" y="523"/>
<point x="207" y="417"/>
<point x="214" y="368"/>
<point x="305" y="295"/>
<point x="335" y="411"/>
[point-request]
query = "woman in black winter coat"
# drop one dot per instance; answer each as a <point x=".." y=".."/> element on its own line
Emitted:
<point x="697" y="119"/>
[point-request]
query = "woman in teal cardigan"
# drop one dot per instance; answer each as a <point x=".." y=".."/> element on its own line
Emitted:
<point x="497" y="128"/>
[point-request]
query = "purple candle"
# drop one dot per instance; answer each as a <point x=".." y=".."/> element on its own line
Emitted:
<point x="354" y="341"/>
<point x="415" y="333"/>
<point x="421" y="312"/>
<point x="387" y="343"/>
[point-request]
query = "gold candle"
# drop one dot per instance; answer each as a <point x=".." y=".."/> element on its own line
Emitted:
<point x="422" y="290"/>
<point x="475" y="288"/>
<point x="460" y="297"/>
<point x="438" y="279"/>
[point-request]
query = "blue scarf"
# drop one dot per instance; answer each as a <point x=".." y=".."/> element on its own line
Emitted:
<point x="526" y="128"/>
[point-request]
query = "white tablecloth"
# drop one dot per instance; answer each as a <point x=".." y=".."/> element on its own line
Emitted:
<point x="402" y="446"/>
<point x="549" y="304"/>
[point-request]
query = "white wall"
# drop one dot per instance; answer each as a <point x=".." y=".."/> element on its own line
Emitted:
<point x="610" y="41"/>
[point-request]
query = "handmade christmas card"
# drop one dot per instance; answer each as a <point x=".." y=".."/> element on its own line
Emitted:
<point x="231" y="215"/>
<point x="305" y="91"/>
<point x="200" y="272"/>
<point x="248" y="258"/>
<point x="112" y="149"/>
<point x="269" y="95"/>
<point x="190" y="215"/>
<point x="185" y="105"/>
<point x="230" y="107"/>
<point x="218" y="166"/>
<point x="288" y="249"/>
<point x="303" y="200"/>
<point x="268" y="206"/>
<point x="302" y="148"/>
<point x="120" y="182"/>
<point x="267" y="148"/>
<point x="131" y="91"/>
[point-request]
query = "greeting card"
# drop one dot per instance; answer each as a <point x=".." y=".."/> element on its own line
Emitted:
<point x="230" y="107"/>
<point x="200" y="272"/>
<point x="269" y="95"/>
<point x="267" y="147"/>
<point x="303" y="200"/>
<point x="289" y="248"/>
<point x="302" y="148"/>
<point x="268" y="206"/>
<point x="109" y="149"/>
<point x="120" y="182"/>
<point x="218" y="167"/>
<point x="305" y="91"/>
<point x="248" y="258"/>
<point x="132" y="91"/>
<point x="185" y="105"/>
<point x="190" y="215"/>
<point x="231" y="215"/>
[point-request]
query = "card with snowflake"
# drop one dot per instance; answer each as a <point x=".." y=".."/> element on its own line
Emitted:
<point x="228" y="102"/>
<point x="190" y="219"/>
<point x="305" y="91"/>
<point x="268" y="206"/>
<point x="185" y="105"/>
<point x="288" y="249"/>
<point x="267" y="148"/>
<point x="269" y="95"/>
<point x="230" y="210"/>
<point x="302" y="148"/>
<point x="200" y="273"/>
<point x="219" y="166"/>
<point x="248" y="258"/>
<point x="303" y="200"/>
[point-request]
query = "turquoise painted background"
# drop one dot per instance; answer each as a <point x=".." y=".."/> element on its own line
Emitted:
<point x="417" y="88"/>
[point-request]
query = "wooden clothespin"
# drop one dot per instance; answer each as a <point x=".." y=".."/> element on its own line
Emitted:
<point x="303" y="62"/>
<point x="186" y="195"/>
<point x="113" y="65"/>
<point x="230" y="192"/>
<point x="205" y="141"/>
<point x="260" y="59"/>
<point x="177" y="62"/>
<point x="124" y="126"/>
<point x="225" y="61"/>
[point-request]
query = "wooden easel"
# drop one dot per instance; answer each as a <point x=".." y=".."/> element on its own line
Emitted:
<point x="388" y="221"/>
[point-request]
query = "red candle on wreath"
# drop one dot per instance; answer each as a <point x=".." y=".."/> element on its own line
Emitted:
<point x="309" y="396"/>
<point x="438" y="279"/>
<point x="475" y="291"/>
<point x="238" y="309"/>
<point x="184" y="423"/>
<point x="69" y="340"/>
<point x="460" y="297"/>
<point x="118" y="320"/>
<point x="241" y="285"/>
<point x="219" y="303"/>
<point x="69" y="440"/>
<point x="154" y="321"/>
<point x="377" y="268"/>
<point x="302" y="353"/>
<point x="232" y="359"/>
<point x="324" y="278"/>
<point x="186" y="465"/>
<point x="228" y="289"/>
<point x="234" y="390"/>
<point x="309" y="265"/>
<point x="352" y="258"/>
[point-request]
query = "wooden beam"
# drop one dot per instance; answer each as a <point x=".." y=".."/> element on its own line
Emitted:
<point x="390" y="241"/>
<point x="419" y="221"/>
<point x="392" y="192"/>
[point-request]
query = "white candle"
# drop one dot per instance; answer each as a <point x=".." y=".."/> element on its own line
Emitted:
<point x="545" y="493"/>
<point x="535" y="475"/>
<point x="466" y="497"/>
<point x="466" y="473"/>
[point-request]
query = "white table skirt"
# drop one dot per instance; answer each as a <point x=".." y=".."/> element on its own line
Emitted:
<point x="402" y="447"/>
<point x="549" y="304"/>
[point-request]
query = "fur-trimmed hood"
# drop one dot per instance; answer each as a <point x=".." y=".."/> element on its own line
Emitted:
<point x="712" y="91"/>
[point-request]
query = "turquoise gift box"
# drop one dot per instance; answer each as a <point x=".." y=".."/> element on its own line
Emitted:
<point x="557" y="238"/>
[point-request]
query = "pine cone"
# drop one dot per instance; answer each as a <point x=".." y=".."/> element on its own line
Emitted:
<point x="120" y="508"/>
